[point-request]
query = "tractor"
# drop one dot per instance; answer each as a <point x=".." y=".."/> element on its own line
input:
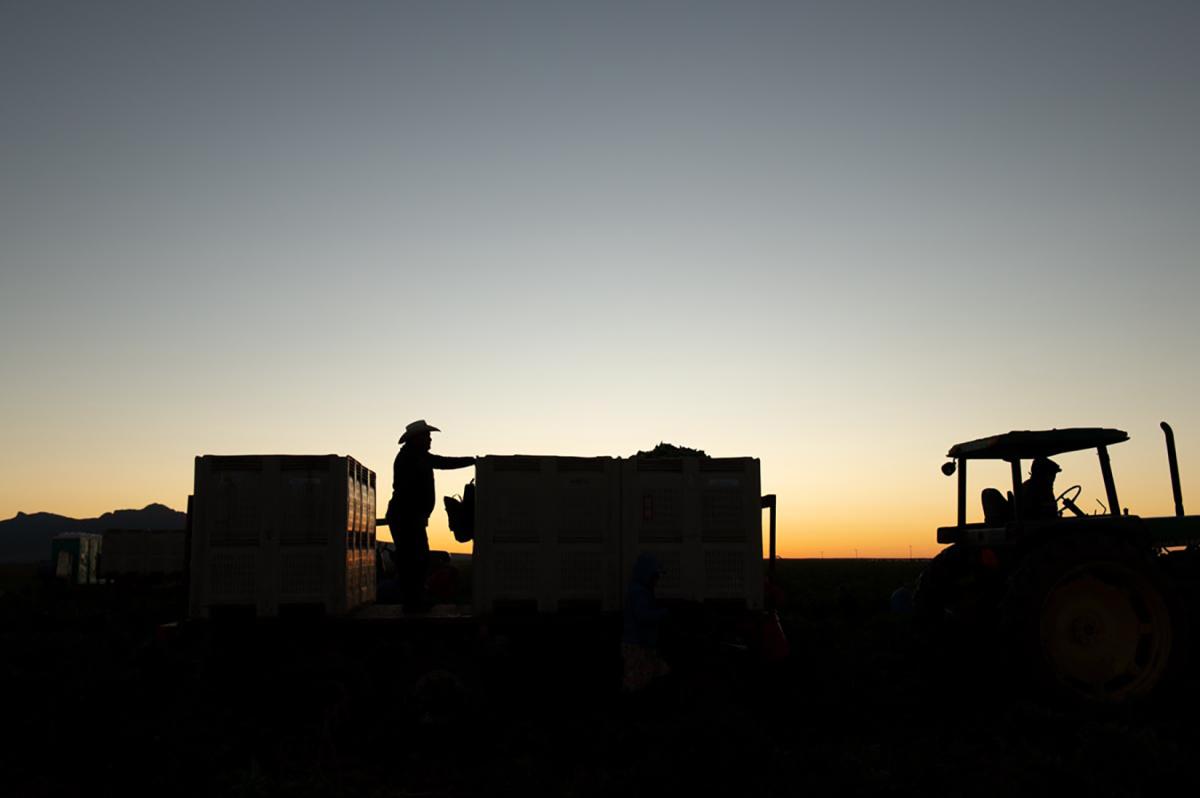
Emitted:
<point x="1092" y="608"/>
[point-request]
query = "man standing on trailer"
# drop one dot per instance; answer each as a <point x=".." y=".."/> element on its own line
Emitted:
<point x="412" y="502"/>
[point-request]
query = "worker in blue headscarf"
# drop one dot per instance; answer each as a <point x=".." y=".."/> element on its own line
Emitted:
<point x="643" y="619"/>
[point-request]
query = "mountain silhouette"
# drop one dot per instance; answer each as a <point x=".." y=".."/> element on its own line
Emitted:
<point x="26" y="537"/>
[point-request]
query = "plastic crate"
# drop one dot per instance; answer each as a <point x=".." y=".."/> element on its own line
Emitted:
<point x="702" y="519"/>
<point x="165" y="551"/>
<point x="142" y="553"/>
<point x="124" y="553"/>
<point x="547" y="533"/>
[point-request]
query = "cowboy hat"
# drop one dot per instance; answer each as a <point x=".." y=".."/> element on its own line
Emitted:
<point x="416" y="428"/>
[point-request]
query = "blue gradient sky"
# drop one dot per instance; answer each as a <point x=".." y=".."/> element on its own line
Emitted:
<point x="836" y="236"/>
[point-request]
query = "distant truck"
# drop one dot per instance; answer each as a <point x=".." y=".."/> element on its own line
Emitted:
<point x="1093" y="607"/>
<point x="75" y="557"/>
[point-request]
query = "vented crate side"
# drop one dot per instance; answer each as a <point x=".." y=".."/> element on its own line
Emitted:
<point x="272" y="530"/>
<point x="129" y="553"/>
<point x="546" y="532"/>
<point x="701" y="518"/>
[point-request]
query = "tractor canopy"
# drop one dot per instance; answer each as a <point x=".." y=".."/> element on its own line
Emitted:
<point x="1026" y="444"/>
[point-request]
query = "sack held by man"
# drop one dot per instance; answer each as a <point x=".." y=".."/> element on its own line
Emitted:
<point x="461" y="513"/>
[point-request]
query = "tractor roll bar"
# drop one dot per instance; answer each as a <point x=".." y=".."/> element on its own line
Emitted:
<point x="1110" y="485"/>
<point x="962" y="491"/>
<point x="1018" y="502"/>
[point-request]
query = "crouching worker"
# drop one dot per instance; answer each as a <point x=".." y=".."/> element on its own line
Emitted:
<point x="643" y="619"/>
<point x="412" y="502"/>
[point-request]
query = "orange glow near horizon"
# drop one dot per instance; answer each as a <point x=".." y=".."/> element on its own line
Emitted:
<point x="830" y="504"/>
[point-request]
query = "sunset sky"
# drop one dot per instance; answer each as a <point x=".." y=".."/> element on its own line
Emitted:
<point x="838" y="237"/>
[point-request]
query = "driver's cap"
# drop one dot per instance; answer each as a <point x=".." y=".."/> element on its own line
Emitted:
<point x="1044" y="465"/>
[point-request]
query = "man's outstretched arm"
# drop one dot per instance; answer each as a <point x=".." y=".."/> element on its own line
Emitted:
<point x="438" y="461"/>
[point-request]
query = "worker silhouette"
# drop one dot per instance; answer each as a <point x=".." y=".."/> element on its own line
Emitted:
<point x="642" y="621"/>
<point x="412" y="502"/>
<point x="1038" y="501"/>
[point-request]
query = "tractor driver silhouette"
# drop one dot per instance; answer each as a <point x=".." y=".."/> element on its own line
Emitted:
<point x="1038" y="502"/>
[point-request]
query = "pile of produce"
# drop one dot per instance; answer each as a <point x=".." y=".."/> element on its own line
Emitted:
<point x="671" y="450"/>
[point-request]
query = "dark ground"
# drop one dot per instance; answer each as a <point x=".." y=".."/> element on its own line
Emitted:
<point x="95" y="700"/>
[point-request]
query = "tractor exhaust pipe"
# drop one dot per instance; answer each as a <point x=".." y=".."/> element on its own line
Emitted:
<point x="1173" y="462"/>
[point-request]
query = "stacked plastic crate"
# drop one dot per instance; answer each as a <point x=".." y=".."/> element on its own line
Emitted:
<point x="165" y="551"/>
<point x="124" y="553"/>
<point x="360" y="548"/>
<point x="731" y="529"/>
<point x="658" y="519"/>
<point x="366" y="540"/>
<point x="273" y="532"/>
<point x="701" y="518"/>
<point x="547" y="533"/>
<point x="142" y="553"/>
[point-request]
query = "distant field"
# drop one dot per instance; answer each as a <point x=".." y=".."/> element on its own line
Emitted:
<point x="813" y="584"/>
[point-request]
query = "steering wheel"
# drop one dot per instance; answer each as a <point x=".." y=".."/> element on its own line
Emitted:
<point x="1068" y="497"/>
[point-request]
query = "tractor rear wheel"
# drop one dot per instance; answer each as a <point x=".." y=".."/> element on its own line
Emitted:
<point x="1092" y="619"/>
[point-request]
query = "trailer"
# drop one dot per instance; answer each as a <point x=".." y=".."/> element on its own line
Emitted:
<point x="557" y="524"/>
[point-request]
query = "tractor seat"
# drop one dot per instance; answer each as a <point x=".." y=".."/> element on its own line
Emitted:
<point x="997" y="510"/>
